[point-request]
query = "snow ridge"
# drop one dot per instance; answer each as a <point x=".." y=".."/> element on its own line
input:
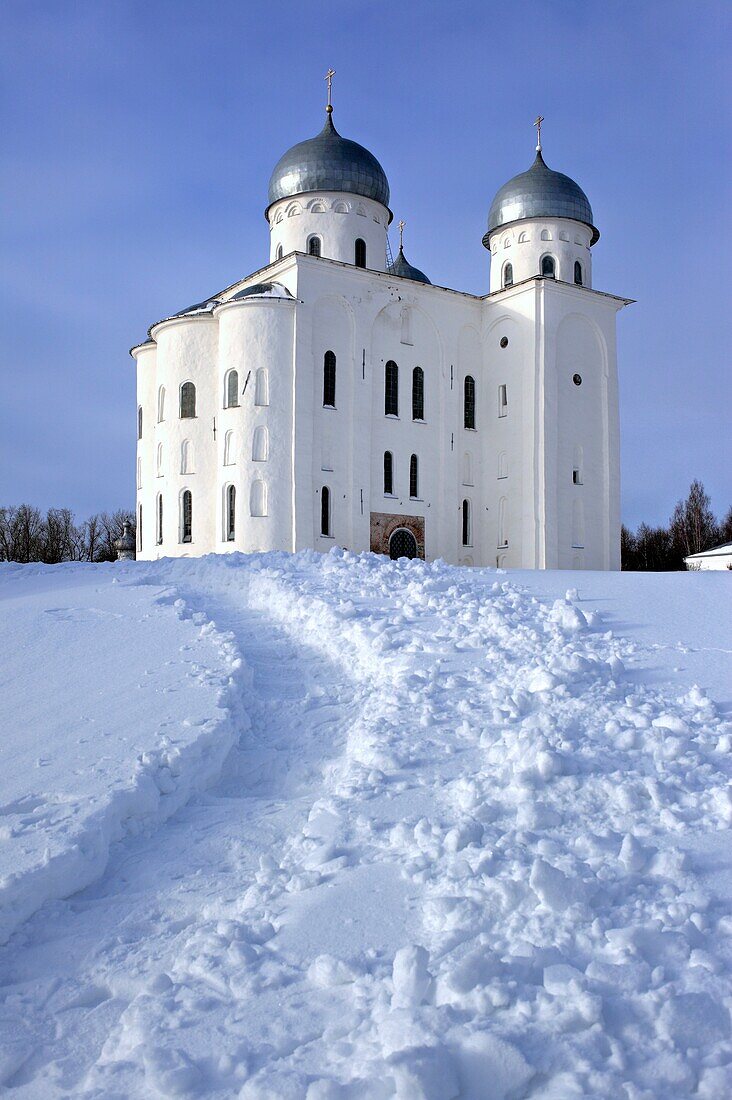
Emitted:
<point x="152" y="787"/>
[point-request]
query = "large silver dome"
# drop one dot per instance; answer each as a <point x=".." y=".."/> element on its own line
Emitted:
<point x="329" y="162"/>
<point x="540" y="193"/>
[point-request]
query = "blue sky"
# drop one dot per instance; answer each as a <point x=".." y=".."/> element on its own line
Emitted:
<point x="138" y="139"/>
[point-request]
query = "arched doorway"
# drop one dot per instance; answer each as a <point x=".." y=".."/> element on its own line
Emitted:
<point x="402" y="544"/>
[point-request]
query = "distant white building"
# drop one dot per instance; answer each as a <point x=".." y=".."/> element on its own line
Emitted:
<point x="719" y="557"/>
<point x="334" y="398"/>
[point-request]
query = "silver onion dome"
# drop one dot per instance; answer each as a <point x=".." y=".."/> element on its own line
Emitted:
<point x="540" y="193"/>
<point x="329" y="162"/>
<point x="404" y="269"/>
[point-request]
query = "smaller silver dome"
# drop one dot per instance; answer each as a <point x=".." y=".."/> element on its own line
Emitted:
<point x="540" y="193"/>
<point x="404" y="269"/>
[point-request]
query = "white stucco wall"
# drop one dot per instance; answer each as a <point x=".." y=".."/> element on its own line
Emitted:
<point x="515" y="469"/>
<point x="337" y="219"/>
<point x="524" y="243"/>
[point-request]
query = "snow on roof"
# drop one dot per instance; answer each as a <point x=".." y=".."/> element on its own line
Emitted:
<point x="724" y="548"/>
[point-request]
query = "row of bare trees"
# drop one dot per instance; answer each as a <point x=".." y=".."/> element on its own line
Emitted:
<point x="26" y="534"/>
<point x="691" y="529"/>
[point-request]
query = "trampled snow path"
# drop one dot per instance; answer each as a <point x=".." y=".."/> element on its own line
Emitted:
<point x="450" y="858"/>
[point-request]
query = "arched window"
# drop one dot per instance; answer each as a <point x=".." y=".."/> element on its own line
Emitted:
<point x="230" y="513"/>
<point x="231" y="396"/>
<point x="577" y="477"/>
<point x="313" y="246"/>
<point x="467" y="469"/>
<point x="388" y="473"/>
<point x="467" y="533"/>
<point x="502" y="465"/>
<point x="502" y="401"/>
<point x="139" y="421"/>
<point x="258" y="498"/>
<point x="329" y="380"/>
<point x="502" y="522"/>
<point x="159" y="532"/>
<point x="578" y="525"/>
<point x="508" y="274"/>
<point x="360" y="252"/>
<point x="159" y="461"/>
<point x="325" y="510"/>
<point x="260" y="444"/>
<point x="413" y="477"/>
<point x="187" y="400"/>
<point x="578" y="273"/>
<point x="229" y="448"/>
<point x="417" y="394"/>
<point x="547" y="266"/>
<point x="186" y="457"/>
<point x="161" y="404"/>
<point x="279" y="252"/>
<point x="186" y="516"/>
<point x="391" y="389"/>
<point x="469" y="402"/>
<point x="139" y="473"/>
<point x="546" y="235"/>
<point x="139" y="528"/>
<point x="261" y="392"/>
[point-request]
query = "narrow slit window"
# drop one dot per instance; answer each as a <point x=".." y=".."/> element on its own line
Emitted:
<point x="159" y="532"/>
<point x="279" y="252"/>
<point x="467" y="541"/>
<point x="230" y="513"/>
<point x="414" y="477"/>
<point x="502" y="400"/>
<point x="391" y="389"/>
<point x="360" y="252"/>
<point x="417" y="394"/>
<point x="187" y="401"/>
<point x="161" y="404"/>
<point x="261" y="391"/>
<point x="139" y="421"/>
<point x="325" y="510"/>
<point x="388" y="473"/>
<point x="469" y="402"/>
<point x="186" y="524"/>
<point x="578" y="273"/>
<point x="329" y="380"/>
<point x="232" y="389"/>
<point x="508" y="275"/>
<point x="139" y="528"/>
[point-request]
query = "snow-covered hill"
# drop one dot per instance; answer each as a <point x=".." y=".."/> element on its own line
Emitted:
<point x="339" y="829"/>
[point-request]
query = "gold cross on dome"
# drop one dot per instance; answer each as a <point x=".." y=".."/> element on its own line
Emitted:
<point x="537" y="122"/>
<point x="400" y="227"/>
<point x="329" y="77"/>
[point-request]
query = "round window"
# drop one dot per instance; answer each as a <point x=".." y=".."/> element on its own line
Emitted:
<point x="504" y="341"/>
<point x="577" y="379"/>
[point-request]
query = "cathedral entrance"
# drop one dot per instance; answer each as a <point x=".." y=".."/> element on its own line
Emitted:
<point x="402" y="544"/>
<point x="397" y="536"/>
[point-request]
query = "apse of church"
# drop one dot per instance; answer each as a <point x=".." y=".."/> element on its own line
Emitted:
<point x="337" y="396"/>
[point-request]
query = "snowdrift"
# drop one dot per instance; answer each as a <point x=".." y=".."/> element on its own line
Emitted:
<point x="459" y="841"/>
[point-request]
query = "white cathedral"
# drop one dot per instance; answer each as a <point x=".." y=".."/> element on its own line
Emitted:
<point x="336" y="398"/>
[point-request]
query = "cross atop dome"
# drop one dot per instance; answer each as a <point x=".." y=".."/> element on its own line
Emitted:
<point x="537" y="122"/>
<point x="329" y="77"/>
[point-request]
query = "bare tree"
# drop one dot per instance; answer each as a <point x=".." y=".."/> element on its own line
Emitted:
<point x="693" y="527"/>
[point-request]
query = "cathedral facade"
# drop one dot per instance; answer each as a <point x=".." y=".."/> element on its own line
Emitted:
<point x="336" y="398"/>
